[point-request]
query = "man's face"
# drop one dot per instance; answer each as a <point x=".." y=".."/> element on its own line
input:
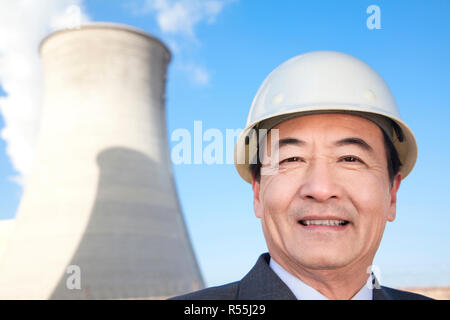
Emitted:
<point x="330" y="167"/>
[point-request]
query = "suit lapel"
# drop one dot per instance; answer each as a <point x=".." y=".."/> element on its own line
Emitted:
<point x="381" y="294"/>
<point x="261" y="283"/>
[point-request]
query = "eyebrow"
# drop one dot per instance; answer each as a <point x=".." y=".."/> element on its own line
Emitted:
<point x="354" y="141"/>
<point x="343" y="142"/>
<point x="287" y="141"/>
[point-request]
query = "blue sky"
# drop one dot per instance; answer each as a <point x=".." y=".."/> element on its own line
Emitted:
<point x="219" y="61"/>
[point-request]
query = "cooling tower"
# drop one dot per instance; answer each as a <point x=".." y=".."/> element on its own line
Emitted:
<point x="100" y="216"/>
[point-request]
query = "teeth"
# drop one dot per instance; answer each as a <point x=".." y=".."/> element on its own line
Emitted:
<point x="324" y="222"/>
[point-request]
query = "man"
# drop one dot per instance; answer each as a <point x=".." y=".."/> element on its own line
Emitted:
<point x="327" y="186"/>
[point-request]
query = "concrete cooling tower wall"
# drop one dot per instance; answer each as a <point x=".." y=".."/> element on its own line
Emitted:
<point x="100" y="216"/>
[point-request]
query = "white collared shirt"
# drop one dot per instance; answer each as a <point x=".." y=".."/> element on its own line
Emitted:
<point x="304" y="292"/>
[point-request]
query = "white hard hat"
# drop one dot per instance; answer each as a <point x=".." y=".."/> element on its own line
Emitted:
<point x="323" y="82"/>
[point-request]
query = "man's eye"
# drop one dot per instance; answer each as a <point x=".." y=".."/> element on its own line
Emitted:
<point x="292" y="159"/>
<point x="351" y="159"/>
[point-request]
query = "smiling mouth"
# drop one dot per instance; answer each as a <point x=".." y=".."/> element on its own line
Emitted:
<point x="323" y="223"/>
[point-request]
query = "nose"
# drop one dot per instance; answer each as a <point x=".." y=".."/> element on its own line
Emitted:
<point x="319" y="183"/>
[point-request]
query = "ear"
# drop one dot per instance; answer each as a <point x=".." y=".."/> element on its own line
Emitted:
<point x="393" y="195"/>
<point x="257" y="205"/>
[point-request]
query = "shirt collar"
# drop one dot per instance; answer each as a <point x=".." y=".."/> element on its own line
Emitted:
<point x="304" y="292"/>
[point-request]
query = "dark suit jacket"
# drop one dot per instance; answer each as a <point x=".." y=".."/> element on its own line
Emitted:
<point x="261" y="283"/>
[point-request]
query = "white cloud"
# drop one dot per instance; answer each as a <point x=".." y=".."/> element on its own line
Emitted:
<point x="178" y="19"/>
<point x="198" y="74"/>
<point x="23" y="24"/>
<point x="181" y="16"/>
<point x="201" y="76"/>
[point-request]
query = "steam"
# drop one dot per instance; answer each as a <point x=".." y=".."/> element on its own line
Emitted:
<point x="23" y="24"/>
